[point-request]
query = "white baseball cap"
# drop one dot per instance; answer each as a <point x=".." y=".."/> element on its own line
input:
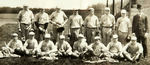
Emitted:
<point x="107" y="8"/>
<point x="115" y="36"/>
<point x="123" y="11"/>
<point x="91" y="9"/>
<point x="15" y="34"/>
<point x="31" y="33"/>
<point x="97" y="37"/>
<point x="62" y="37"/>
<point x="47" y="36"/>
<point x="133" y="38"/>
<point x="81" y="36"/>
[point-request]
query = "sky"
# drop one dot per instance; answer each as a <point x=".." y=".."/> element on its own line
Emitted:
<point x="64" y="4"/>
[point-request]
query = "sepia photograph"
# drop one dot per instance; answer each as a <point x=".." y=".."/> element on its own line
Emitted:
<point x="74" y="32"/>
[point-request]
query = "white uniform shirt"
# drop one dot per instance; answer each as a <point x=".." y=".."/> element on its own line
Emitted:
<point x="133" y="49"/>
<point x="58" y="17"/>
<point x="80" y="46"/>
<point x="25" y="16"/>
<point x="98" y="48"/>
<point x="46" y="46"/>
<point x="15" y="44"/>
<point x="76" y="21"/>
<point x="123" y="24"/>
<point x="91" y="21"/>
<point x="31" y="44"/>
<point x="107" y="20"/>
<point x="114" y="47"/>
<point x="65" y="46"/>
<point x="42" y="18"/>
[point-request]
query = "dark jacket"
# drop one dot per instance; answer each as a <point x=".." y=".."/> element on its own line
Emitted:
<point x="140" y="24"/>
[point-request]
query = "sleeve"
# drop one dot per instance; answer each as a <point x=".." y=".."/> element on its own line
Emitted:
<point x="101" y="19"/>
<point x="64" y="15"/>
<point x="129" y="23"/>
<point x="51" y="16"/>
<point x="97" y="22"/>
<point x="113" y="19"/>
<point x="25" y="44"/>
<point x="56" y="46"/>
<point x="40" y="45"/>
<point x="140" y="48"/>
<point x="108" y="46"/>
<point x="104" y="47"/>
<point x="85" y="21"/>
<point x="36" y="18"/>
<point x="120" y="47"/>
<point x="36" y="45"/>
<point x="19" y="14"/>
<point x="53" y="46"/>
<point x="90" y="47"/>
<point x="9" y="43"/>
<point x="69" y="47"/>
<point x="69" y="20"/>
<point x="146" y="24"/>
<point x="81" y="21"/>
<point x="125" y="48"/>
<point x="118" y="22"/>
<point x="74" y="46"/>
<point x="134" y="24"/>
<point x="47" y="17"/>
<point x="20" y="44"/>
<point x="32" y="15"/>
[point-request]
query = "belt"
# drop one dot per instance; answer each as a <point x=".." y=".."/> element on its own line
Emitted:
<point x="91" y="27"/>
<point x="107" y="26"/>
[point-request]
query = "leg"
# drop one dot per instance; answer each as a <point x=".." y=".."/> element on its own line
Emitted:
<point x="104" y="36"/>
<point x="144" y="44"/>
<point x="89" y="35"/>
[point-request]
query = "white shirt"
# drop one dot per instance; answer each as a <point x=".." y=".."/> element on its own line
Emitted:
<point x="58" y="17"/>
<point x="15" y="44"/>
<point x="91" y="21"/>
<point x="65" y="46"/>
<point x="97" y="48"/>
<point x="133" y="49"/>
<point x="123" y="24"/>
<point x="42" y="18"/>
<point x="107" y="20"/>
<point x="25" y="16"/>
<point x="46" y="46"/>
<point x="114" y="47"/>
<point x="31" y="44"/>
<point x="76" y="21"/>
<point x="80" y="46"/>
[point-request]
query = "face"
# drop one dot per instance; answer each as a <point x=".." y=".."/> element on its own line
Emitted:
<point x="140" y="10"/>
<point x="133" y="41"/>
<point x="92" y="12"/>
<point x="107" y="11"/>
<point x="25" y="7"/>
<point x="58" y="9"/>
<point x="31" y="36"/>
<point x="15" y="37"/>
<point x="46" y="39"/>
<point x="114" y="39"/>
<point x="97" y="41"/>
<point x="75" y="12"/>
<point x="43" y="10"/>
<point x="123" y="14"/>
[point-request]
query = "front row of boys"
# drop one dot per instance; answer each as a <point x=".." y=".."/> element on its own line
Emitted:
<point x="132" y="51"/>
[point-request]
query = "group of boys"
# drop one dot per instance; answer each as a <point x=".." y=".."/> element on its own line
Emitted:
<point x="91" y="37"/>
